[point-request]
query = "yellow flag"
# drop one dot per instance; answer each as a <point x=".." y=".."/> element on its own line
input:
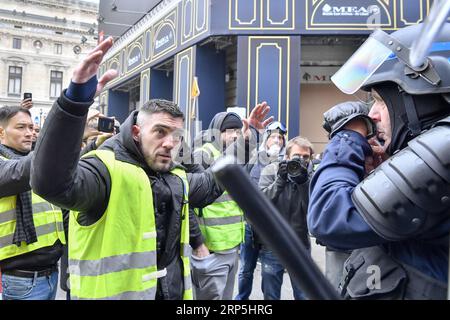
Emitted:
<point x="195" y="92"/>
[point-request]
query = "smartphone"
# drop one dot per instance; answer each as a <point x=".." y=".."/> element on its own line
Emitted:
<point x="27" y="95"/>
<point x="105" y="124"/>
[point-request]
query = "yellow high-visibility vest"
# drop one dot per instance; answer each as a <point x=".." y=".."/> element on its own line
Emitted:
<point x="48" y="221"/>
<point x="115" y="258"/>
<point x="222" y="222"/>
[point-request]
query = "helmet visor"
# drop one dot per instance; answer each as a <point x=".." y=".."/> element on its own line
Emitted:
<point x="361" y="65"/>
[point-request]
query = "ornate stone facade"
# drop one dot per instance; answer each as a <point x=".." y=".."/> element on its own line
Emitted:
<point x="45" y="39"/>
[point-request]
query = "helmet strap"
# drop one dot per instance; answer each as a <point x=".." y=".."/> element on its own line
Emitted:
<point x="411" y="113"/>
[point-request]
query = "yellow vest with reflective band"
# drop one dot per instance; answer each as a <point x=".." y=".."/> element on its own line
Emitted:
<point x="47" y="219"/>
<point x="115" y="258"/>
<point x="222" y="222"/>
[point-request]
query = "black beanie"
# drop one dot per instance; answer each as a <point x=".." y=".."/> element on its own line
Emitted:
<point x="231" y="121"/>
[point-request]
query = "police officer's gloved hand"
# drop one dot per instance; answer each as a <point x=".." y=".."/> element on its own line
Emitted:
<point x="338" y="116"/>
<point x="282" y="170"/>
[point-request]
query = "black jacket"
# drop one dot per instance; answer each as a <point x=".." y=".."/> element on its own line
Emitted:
<point x="15" y="179"/>
<point x="290" y="198"/>
<point x="85" y="185"/>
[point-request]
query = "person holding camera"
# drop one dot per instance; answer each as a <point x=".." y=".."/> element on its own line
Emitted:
<point x="272" y="149"/>
<point x="286" y="184"/>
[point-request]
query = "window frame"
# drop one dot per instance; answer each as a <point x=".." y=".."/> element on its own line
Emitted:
<point x="58" y="48"/>
<point x="15" y="76"/>
<point x="16" y="41"/>
<point x="55" y="82"/>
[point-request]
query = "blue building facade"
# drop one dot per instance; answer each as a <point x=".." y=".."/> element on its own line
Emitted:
<point x="180" y="40"/>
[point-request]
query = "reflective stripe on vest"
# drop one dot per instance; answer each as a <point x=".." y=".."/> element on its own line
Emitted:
<point x="107" y="260"/>
<point x="40" y="231"/>
<point x="184" y="239"/>
<point x="148" y="294"/>
<point x="222" y="222"/>
<point x="37" y="207"/>
<point x="211" y="150"/>
<point x="106" y="265"/>
<point x="219" y="221"/>
<point x="47" y="219"/>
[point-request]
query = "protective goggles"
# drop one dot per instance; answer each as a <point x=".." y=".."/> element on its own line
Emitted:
<point x="276" y="125"/>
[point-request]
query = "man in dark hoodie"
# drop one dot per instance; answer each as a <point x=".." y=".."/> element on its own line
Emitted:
<point x="222" y="222"/>
<point x="129" y="232"/>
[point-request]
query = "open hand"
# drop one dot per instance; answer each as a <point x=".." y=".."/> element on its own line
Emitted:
<point x="257" y="118"/>
<point x="90" y="64"/>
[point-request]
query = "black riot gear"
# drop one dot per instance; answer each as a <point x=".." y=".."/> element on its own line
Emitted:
<point x="410" y="192"/>
<point x="408" y="195"/>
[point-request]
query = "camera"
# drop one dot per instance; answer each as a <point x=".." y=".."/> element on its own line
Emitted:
<point x="27" y="95"/>
<point x="105" y="124"/>
<point x="297" y="168"/>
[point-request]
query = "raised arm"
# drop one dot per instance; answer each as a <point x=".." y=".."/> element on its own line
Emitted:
<point x="57" y="174"/>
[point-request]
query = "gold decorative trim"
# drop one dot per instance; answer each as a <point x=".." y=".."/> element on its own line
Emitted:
<point x="236" y="13"/>
<point x="130" y="48"/>
<point x="402" y="18"/>
<point x="279" y="46"/>
<point x="183" y="19"/>
<point x="186" y="54"/>
<point x="286" y="2"/>
<point x="263" y="19"/>
<point x="149" y="33"/>
<point x="163" y="22"/>
<point x="280" y="72"/>
<point x="145" y="75"/>
<point x="205" y="11"/>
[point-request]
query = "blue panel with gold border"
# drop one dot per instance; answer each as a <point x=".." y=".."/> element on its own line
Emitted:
<point x="184" y="71"/>
<point x="268" y="70"/>
<point x="191" y="21"/>
<point x="188" y="22"/>
<point x="261" y="14"/>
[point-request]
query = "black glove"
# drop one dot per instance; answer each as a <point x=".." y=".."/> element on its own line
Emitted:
<point x="338" y="116"/>
<point x="282" y="170"/>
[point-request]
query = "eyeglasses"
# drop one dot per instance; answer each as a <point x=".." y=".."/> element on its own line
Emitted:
<point x="277" y="125"/>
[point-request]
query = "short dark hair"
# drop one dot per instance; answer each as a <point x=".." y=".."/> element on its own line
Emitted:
<point x="7" y="112"/>
<point x="301" y="142"/>
<point x="161" y="105"/>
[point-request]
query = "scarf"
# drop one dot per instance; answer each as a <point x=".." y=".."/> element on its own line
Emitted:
<point x="25" y="230"/>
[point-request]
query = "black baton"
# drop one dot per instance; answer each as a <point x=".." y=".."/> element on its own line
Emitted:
<point x="274" y="230"/>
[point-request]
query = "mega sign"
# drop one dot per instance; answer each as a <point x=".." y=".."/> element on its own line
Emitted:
<point x="338" y="11"/>
<point x="350" y="14"/>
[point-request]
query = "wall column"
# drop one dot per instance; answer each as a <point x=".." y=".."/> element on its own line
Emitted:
<point x="269" y="70"/>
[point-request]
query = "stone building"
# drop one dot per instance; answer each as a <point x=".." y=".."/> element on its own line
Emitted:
<point x="41" y="41"/>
